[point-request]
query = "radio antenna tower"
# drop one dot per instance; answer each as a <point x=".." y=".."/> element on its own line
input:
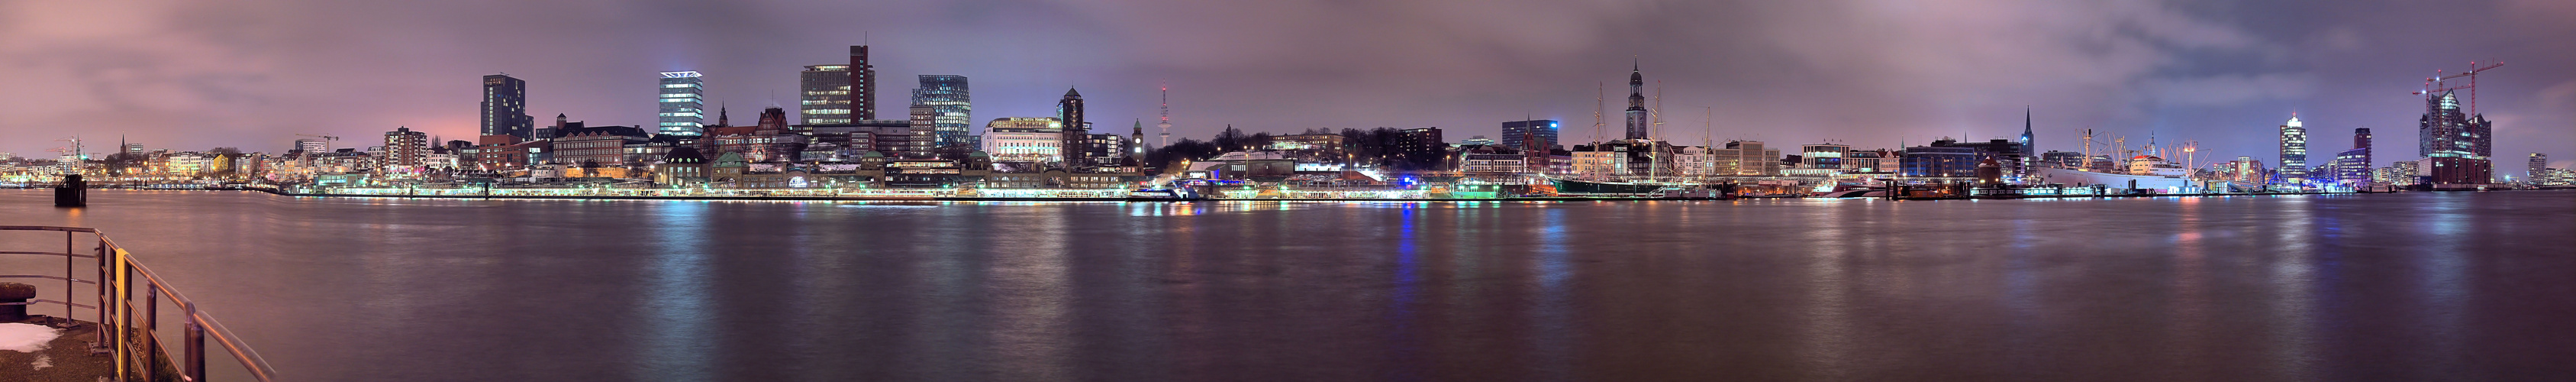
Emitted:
<point x="1166" y="124"/>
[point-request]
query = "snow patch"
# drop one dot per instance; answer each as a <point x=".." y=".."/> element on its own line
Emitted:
<point x="26" y="338"/>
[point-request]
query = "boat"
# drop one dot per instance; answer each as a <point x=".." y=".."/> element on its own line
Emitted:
<point x="1854" y="193"/>
<point x="2144" y="172"/>
<point x="1580" y="187"/>
<point x="1162" y="195"/>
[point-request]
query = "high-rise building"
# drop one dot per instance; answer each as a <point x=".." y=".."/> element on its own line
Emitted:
<point x="923" y="122"/>
<point x="2539" y="168"/>
<point x="950" y="107"/>
<point x="1536" y="134"/>
<point x="406" y="151"/>
<point x="1421" y="149"/>
<point x="684" y="104"/>
<point x="1076" y="132"/>
<point x="863" y="84"/>
<point x="2294" y="150"/>
<point x="1637" y="103"/>
<point x="826" y="97"/>
<point x="2353" y="166"/>
<point x="2455" y="145"/>
<point x="505" y="107"/>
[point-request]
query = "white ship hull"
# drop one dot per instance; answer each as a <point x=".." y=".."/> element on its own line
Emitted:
<point x="2074" y="178"/>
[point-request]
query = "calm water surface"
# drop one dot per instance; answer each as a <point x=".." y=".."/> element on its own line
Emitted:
<point x="2420" y="286"/>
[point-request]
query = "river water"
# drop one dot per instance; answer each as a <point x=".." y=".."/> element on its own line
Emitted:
<point x="2414" y="286"/>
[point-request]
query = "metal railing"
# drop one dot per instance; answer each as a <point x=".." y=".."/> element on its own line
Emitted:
<point x="133" y="337"/>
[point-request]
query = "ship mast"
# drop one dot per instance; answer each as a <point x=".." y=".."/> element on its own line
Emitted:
<point x="2087" y="163"/>
<point x="1601" y="92"/>
<point x="1655" y="142"/>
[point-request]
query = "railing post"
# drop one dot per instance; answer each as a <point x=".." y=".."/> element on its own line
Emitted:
<point x="105" y="341"/>
<point x="196" y="347"/>
<point x="67" y="278"/>
<point x="151" y="331"/>
<point x="124" y="318"/>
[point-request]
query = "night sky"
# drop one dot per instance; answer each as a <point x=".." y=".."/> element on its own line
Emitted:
<point x="193" y="75"/>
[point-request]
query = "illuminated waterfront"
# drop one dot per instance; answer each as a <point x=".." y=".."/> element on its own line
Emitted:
<point x="2413" y="286"/>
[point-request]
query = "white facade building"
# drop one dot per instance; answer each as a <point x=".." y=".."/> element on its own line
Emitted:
<point x="1024" y="139"/>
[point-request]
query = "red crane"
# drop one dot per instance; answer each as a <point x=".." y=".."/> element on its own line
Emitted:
<point x="2434" y="86"/>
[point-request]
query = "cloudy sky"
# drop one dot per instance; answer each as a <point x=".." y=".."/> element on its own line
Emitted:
<point x="1873" y="73"/>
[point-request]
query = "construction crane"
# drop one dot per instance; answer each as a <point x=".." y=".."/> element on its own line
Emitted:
<point x="326" y="141"/>
<point x="71" y="155"/>
<point x="2434" y="86"/>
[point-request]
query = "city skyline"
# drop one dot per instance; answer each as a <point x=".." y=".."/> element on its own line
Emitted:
<point x="2220" y="74"/>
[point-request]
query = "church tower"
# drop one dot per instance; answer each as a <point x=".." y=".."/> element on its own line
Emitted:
<point x="1636" y="103"/>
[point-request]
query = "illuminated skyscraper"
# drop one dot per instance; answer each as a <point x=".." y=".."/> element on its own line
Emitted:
<point x="2353" y="165"/>
<point x="2294" y="150"/>
<point x="826" y="97"/>
<point x="2455" y="145"/>
<point x="950" y="107"/>
<point x="505" y="107"/>
<point x="683" y="104"/>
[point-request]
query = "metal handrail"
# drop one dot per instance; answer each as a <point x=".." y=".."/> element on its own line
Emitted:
<point x="47" y="253"/>
<point x="140" y="357"/>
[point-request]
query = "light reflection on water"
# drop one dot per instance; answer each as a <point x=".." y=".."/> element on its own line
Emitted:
<point x="677" y="333"/>
<point x="2405" y="286"/>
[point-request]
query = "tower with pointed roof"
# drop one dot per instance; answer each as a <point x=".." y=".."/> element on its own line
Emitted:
<point x="2029" y="150"/>
<point x="1077" y="134"/>
<point x="1637" y="102"/>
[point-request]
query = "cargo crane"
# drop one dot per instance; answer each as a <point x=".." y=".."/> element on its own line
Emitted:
<point x="2434" y="86"/>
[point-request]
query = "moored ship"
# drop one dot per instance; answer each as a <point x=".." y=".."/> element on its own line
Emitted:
<point x="2143" y="172"/>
